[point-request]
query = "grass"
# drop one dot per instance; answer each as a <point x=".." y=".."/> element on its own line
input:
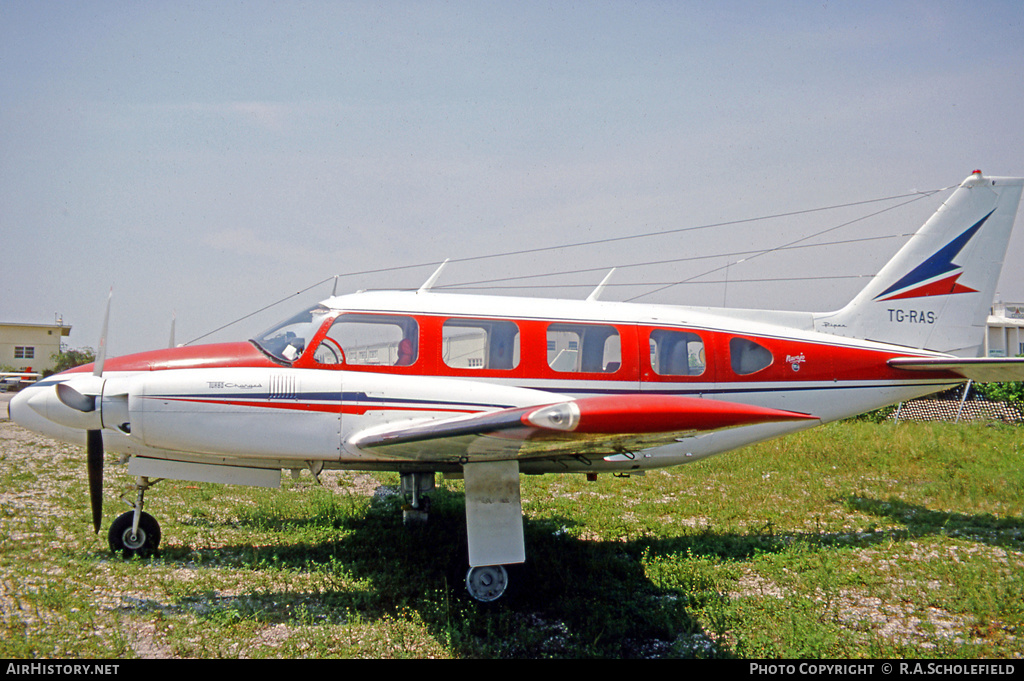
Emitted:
<point x="855" y="540"/>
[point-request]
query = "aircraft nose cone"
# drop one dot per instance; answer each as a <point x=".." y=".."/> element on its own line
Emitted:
<point x="18" y="408"/>
<point x="45" y="402"/>
<point x="29" y="409"/>
<point x="39" y="401"/>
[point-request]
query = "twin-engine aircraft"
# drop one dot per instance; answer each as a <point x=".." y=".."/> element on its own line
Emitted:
<point x="488" y="388"/>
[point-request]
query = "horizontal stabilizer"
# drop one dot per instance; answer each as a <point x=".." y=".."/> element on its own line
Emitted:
<point x="611" y="422"/>
<point x="980" y="369"/>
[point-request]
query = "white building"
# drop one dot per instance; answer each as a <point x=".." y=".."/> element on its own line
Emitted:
<point x="1004" y="335"/>
<point x="28" y="347"/>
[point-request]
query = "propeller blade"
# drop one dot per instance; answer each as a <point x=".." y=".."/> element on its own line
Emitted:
<point x="93" y="438"/>
<point x="101" y="352"/>
<point x="94" y="465"/>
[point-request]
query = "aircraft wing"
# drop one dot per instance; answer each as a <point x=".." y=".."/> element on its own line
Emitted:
<point x="601" y="425"/>
<point x="980" y="369"/>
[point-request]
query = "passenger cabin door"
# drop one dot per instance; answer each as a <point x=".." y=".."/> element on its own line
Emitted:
<point x="354" y="353"/>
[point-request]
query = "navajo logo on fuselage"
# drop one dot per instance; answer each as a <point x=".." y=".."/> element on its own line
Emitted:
<point x="936" y="276"/>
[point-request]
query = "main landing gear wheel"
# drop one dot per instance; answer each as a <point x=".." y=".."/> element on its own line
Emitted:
<point x="487" y="582"/>
<point x="142" y="543"/>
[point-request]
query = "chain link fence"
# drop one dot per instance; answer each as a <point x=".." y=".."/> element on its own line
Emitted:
<point x="957" y="404"/>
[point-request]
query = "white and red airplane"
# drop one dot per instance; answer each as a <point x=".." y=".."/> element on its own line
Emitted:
<point x="488" y="388"/>
<point x="18" y="377"/>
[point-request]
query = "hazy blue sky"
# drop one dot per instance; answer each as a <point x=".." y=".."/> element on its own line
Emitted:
<point x="212" y="157"/>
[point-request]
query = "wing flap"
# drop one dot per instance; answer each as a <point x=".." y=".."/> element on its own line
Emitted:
<point x="612" y="423"/>
<point x="980" y="369"/>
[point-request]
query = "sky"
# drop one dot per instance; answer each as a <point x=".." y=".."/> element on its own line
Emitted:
<point x="205" y="160"/>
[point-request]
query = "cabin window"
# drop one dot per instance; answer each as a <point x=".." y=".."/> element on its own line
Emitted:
<point x="480" y="344"/>
<point x="375" y="340"/>
<point x="584" y="348"/>
<point x="677" y="353"/>
<point x="748" y="357"/>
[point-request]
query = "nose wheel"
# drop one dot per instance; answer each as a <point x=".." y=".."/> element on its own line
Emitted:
<point x="128" y="541"/>
<point x="135" y="533"/>
<point x="487" y="582"/>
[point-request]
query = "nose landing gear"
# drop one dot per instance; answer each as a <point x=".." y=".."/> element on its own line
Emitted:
<point x="135" y="533"/>
<point x="131" y="541"/>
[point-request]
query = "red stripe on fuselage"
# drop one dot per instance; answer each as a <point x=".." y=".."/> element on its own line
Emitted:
<point x="334" y="408"/>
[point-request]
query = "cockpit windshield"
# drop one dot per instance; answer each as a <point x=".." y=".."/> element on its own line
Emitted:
<point x="286" y="340"/>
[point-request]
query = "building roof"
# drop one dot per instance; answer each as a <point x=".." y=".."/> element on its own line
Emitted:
<point x="65" y="329"/>
<point x="1007" y="314"/>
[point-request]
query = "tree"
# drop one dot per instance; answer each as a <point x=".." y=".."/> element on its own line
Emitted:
<point x="67" y="359"/>
<point x="1012" y="391"/>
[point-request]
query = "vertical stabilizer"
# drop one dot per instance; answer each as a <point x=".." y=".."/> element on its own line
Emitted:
<point x="936" y="292"/>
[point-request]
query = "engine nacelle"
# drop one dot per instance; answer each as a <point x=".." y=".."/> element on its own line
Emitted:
<point x="73" y="403"/>
<point x="235" y="412"/>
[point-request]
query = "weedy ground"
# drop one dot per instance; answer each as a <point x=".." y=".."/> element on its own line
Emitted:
<point x="852" y="540"/>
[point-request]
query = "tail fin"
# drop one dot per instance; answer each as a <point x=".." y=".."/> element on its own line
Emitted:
<point x="936" y="292"/>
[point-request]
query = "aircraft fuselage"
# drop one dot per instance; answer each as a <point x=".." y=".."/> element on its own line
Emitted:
<point x="250" y="406"/>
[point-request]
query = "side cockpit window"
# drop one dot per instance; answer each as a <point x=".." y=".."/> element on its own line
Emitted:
<point x="287" y="340"/>
<point x="748" y="357"/>
<point x="381" y="340"/>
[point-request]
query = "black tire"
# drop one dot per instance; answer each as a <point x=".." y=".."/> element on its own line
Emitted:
<point x="144" y="544"/>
